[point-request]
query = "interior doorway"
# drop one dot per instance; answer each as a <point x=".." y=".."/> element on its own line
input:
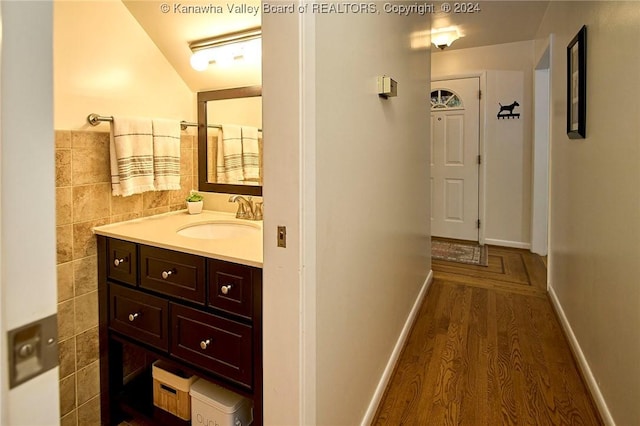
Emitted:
<point x="455" y="149"/>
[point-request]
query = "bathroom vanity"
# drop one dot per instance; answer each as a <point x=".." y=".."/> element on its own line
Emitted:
<point x="184" y="289"/>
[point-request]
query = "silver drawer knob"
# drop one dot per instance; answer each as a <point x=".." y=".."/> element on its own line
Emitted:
<point x="117" y="262"/>
<point x="166" y="274"/>
<point x="205" y="344"/>
<point x="132" y="317"/>
<point x="225" y="289"/>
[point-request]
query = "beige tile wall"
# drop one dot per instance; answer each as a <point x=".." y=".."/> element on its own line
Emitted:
<point x="84" y="200"/>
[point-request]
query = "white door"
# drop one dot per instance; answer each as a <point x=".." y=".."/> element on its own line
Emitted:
<point x="455" y="137"/>
<point x="27" y="232"/>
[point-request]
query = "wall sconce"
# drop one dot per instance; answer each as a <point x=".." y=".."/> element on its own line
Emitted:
<point x="443" y="37"/>
<point x="224" y="49"/>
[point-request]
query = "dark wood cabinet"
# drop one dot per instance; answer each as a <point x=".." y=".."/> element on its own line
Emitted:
<point x="173" y="273"/>
<point x="122" y="261"/>
<point x="201" y="314"/>
<point x="139" y="315"/>
<point x="230" y="287"/>
<point x="213" y="342"/>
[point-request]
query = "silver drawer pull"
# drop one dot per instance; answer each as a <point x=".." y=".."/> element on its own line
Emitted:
<point x="225" y="289"/>
<point x="205" y="344"/>
<point x="132" y="317"/>
<point x="117" y="262"/>
<point x="166" y="274"/>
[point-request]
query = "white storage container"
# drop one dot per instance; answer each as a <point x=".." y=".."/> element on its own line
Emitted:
<point x="213" y="405"/>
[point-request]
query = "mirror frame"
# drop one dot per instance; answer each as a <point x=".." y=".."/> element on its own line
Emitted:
<point x="216" y="95"/>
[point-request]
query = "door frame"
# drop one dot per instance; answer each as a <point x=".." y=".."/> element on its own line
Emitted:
<point x="482" y="77"/>
<point x="541" y="149"/>
<point x="541" y="173"/>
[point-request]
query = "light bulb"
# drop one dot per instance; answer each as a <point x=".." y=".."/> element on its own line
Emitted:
<point x="200" y="60"/>
<point x="253" y="51"/>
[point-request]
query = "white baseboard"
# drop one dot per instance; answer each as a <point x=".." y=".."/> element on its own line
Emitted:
<point x="397" y="350"/>
<point x="582" y="361"/>
<point x="506" y="243"/>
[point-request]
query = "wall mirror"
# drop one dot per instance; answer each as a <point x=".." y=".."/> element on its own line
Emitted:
<point x="229" y="153"/>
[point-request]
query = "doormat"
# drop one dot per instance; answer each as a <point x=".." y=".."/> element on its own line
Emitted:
<point x="469" y="253"/>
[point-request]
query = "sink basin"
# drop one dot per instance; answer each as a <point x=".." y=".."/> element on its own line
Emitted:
<point x="220" y="230"/>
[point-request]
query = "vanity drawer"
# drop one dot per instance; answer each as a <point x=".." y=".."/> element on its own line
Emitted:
<point x="217" y="344"/>
<point x="173" y="273"/>
<point x="122" y="261"/>
<point x="230" y="287"/>
<point x="139" y="315"/>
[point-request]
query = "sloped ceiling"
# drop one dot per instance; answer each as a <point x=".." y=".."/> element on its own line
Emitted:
<point x="495" y="22"/>
<point x="172" y="29"/>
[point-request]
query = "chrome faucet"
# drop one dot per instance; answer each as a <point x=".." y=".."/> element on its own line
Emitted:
<point x="246" y="208"/>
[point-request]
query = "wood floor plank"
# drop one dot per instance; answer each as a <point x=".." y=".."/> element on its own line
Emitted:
<point x="450" y="379"/>
<point x="487" y="351"/>
<point x="474" y="406"/>
<point x="489" y="284"/>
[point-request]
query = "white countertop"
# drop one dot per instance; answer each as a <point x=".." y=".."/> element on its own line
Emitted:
<point x="161" y="231"/>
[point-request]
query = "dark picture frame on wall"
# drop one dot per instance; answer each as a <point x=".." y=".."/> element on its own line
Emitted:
<point x="577" y="86"/>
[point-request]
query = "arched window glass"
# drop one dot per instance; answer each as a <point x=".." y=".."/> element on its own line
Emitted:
<point x="445" y="99"/>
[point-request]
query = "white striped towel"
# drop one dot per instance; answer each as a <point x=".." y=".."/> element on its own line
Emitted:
<point x="229" y="164"/>
<point x="250" y="153"/>
<point x="166" y="154"/>
<point x="131" y="154"/>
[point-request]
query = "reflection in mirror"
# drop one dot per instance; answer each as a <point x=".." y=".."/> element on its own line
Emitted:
<point x="230" y="141"/>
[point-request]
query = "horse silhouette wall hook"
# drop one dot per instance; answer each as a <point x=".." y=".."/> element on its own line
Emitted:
<point x="506" y="111"/>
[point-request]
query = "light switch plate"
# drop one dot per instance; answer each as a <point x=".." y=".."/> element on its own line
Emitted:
<point x="282" y="236"/>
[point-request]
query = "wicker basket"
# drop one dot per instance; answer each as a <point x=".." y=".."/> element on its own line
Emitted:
<point x="171" y="389"/>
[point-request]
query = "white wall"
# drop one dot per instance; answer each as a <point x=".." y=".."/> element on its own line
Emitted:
<point x="354" y="197"/>
<point x="372" y="213"/>
<point x="594" y="201"/>
<point x="106" y="64"/>
<point x="27" y="235"/>
<point x="507" y="143"/>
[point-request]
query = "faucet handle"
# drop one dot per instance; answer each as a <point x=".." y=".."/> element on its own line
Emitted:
<point x="258" y="210"/>
<point x="245" y="207"/>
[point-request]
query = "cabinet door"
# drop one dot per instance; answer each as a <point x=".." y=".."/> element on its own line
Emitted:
<point x="139" y="315"/>
<point x="219" y="345"/>
<point x="230" y="287"/>
<point x="173" y="273"/>
<point x="122" y="261"/>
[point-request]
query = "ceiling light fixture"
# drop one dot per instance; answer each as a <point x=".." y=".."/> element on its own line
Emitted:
<point x="443" y="37"/>
<point x="224" y="49"/>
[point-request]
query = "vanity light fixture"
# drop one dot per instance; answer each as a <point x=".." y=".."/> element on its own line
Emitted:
<point x="224" y="49"/>
<point x="443" y="37"/>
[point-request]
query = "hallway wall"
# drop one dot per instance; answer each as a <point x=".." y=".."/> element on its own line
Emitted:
<point x="354" y="197"/>
<point x="595" y="201"/>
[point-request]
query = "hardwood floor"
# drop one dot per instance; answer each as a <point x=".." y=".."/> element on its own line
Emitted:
<point x="487" y="349"/>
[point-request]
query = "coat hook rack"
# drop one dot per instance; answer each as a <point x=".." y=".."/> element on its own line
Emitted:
<point x="506" y="111"/>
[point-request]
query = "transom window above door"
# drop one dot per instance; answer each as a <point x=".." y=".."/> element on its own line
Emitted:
<point x="445" y="99"/>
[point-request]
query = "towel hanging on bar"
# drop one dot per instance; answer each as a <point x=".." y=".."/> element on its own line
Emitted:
<point x="131" y="154"/>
